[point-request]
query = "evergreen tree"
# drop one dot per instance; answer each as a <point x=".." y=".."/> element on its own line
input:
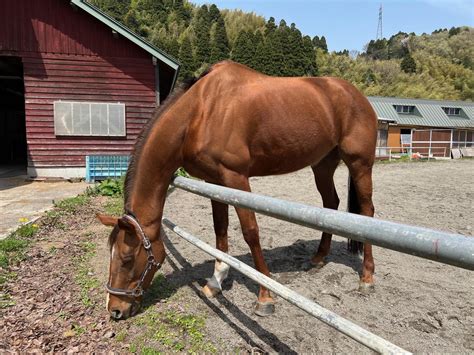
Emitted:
<point x="186" y="58"/>
<point x="182" y="12"/>
<point x="115" y="8"/>
<point x="295" y="64"/>
<point x="131" y="21"/>
<point x="316" y="42"/>
<point x="202" y="30"/>
<point x="256" y="41"/>
<point x="220" y="42"/>
<point x="214" y="13"/>
<point x="408" y="64"/>
<point x="309" y="55"/>
<point x="243" y="51"/>
<point x="270" y="27"/>
<point x="323" y="45"/>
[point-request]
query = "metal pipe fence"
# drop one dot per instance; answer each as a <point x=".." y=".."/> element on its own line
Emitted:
<point x="448" y="248"/>
<point x="341" y="324"/>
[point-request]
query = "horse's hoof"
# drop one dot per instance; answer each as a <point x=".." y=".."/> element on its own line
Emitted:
<point x="210" y="292"/>
<point x="264" y="309"/>
<point x="366" y="288"/>
<point x="317" y="265"/>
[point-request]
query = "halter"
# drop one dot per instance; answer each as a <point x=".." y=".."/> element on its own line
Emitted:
<point x="151" y="263"/>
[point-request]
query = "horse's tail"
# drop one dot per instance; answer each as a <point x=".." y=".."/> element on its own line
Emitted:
<point x="353" y="206"/>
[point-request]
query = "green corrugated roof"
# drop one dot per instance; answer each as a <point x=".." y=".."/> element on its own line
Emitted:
<point x="428" y="113"/>
<point x="127" y="33"/>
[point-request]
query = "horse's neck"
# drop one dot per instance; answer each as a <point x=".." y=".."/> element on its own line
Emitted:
<point x="159" y="159"/>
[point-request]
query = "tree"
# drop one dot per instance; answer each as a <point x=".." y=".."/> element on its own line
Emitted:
<point x="202" y="30"/>
<point x="323" y="45"/>
<point x="188" y="65"/>
<point x="115" y="8"/>
<point x="214" y="13"/>
<point x="270" y="26"/>
<point x="220" y="42"/>
<point x="309" y="55"/>
<point x="244" y="51"/>
<point x="408" y="64"/>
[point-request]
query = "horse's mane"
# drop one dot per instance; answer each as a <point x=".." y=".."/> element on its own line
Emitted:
<point x="142" y="138"/>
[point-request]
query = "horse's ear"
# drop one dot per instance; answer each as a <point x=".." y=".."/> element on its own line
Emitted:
<point x="124" y="223"/>
<point x="107" y="220"/>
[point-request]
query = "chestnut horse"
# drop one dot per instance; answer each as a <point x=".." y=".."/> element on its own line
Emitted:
<point x="231" y="124"/>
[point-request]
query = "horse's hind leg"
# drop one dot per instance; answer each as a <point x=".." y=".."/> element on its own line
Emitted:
<point x="220" y="216"/>
<point x="324" y="177"/>
<point x="360" y="169"/>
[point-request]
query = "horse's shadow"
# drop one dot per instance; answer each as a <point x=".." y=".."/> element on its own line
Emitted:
<point x="282" y="260"/>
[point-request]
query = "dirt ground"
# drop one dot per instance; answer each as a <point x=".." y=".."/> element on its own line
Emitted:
<point x="419" y="305"/>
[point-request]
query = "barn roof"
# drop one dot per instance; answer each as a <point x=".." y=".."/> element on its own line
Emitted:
<point x="127" y="33"/>
<point x="430" y="113"/>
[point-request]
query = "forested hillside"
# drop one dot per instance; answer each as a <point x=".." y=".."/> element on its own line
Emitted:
<point x="437" y="66"/>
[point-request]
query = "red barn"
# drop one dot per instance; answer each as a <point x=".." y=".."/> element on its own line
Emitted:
<point x="73" y="82"/>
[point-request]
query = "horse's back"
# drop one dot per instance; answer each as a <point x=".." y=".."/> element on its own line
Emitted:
<point x="270" y="125"/>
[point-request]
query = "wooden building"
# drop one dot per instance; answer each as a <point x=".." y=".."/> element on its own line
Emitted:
<point x="429" y="127"/>
<point x="73" y="83"/>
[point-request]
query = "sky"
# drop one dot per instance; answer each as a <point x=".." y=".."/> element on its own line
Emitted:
<point x="350" y="24"/>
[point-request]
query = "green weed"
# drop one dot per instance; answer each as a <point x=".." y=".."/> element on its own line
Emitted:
<point x="70" y="205"/>
<point x="12" y="251"/>
<point x="83" y="277"/>
<point x="108" y="187"/>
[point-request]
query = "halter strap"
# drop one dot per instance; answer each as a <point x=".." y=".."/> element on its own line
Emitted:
<point x="151" y="262"/>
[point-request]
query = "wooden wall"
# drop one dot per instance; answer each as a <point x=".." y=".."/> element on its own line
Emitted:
<point x="69" y="55"/>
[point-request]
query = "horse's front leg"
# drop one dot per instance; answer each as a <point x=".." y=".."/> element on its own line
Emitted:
<point x="220" y="215"/>
<point x="265" y="303"/>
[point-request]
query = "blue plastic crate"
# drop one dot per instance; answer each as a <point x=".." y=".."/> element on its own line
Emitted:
<point x="101" y="167"/>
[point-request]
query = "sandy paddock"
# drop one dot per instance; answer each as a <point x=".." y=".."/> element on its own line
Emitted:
<point x="422" y="306"/>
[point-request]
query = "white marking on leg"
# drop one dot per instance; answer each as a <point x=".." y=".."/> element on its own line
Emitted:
<point x="107" y="300"/>
<point x="221" y="270"/>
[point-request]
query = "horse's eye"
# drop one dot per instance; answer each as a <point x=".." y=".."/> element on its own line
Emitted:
<point x="127" y="259"/>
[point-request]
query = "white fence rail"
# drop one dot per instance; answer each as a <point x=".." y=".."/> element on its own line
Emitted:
<point x="398" y="152"/>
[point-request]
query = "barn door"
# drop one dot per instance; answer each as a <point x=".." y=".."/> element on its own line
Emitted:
<point x="13" y="152"/>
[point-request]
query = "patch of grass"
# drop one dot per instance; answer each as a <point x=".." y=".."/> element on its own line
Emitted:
<point x="149" y="351"/>
<point x="70" y="205"/>
<point x="78" y="329"/>
<point x="121" y="335"/>
<point x="170" y="331"/>
<point x="159" y="290"/>
<point x="114" y="206"/>
<point x="83" y="277"/>
<point x="12" y="251"/>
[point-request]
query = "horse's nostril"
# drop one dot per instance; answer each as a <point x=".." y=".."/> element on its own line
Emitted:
<point x="116" y="314"/>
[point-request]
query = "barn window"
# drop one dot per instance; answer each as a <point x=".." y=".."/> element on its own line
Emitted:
<point x="89" y="119"/>
<point x="404" y="108"/>
<point x="452" y="111"/>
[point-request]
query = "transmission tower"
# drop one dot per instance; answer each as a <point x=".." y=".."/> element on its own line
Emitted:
<point x="379" y="27"/>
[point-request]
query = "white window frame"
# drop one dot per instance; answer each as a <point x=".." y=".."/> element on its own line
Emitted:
<point x="404" y="109"/>
<point x="64" y="131"/>
<point x="452" y="111"/>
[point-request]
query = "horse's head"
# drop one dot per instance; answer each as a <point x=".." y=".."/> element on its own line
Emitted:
<point x="134" y="259"/>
